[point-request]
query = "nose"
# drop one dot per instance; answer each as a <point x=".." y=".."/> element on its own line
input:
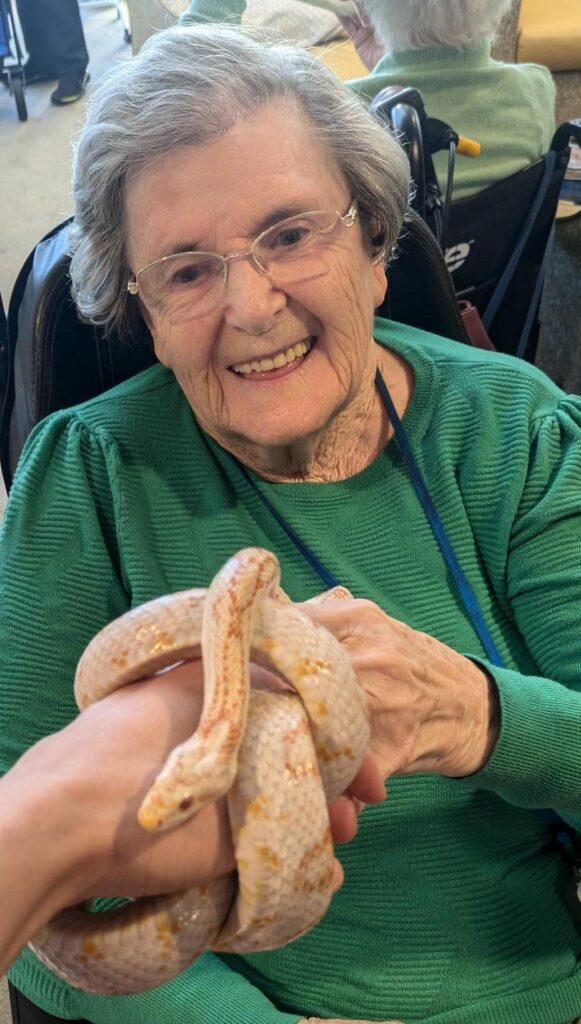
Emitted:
<point x="253" y="303"/>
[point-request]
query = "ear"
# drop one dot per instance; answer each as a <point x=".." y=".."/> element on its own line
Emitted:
<point x="379" y="282"/>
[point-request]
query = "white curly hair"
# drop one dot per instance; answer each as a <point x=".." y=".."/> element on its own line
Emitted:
<point x="418" y="24"/>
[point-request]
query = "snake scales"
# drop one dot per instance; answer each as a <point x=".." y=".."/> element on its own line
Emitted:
<point x="279" y="757"/>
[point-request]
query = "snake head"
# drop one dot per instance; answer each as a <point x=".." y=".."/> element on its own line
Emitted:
<point x="192" y="777"/>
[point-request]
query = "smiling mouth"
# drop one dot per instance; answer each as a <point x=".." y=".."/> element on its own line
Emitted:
<point x="290" y="355"/>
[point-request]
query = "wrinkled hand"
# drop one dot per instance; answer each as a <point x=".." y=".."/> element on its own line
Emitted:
<point x="366" y="41"/>
<point x="432" y="710"/>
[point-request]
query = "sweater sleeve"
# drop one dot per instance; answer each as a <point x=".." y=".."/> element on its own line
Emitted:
<point x="200" y="12"/>
<point x="60" y="575"/>
<point x="537" y="759"/>
<point x="62" y="578"/>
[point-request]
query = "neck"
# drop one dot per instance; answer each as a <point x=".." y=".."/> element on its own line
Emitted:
<point x="348" y="444"/>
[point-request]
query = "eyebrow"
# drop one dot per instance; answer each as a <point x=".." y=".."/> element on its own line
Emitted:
<point x="266" y="222"/>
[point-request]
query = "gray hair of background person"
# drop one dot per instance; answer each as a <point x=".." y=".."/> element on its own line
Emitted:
<point x="187" y="87"/>
<point x="418" y="24"/>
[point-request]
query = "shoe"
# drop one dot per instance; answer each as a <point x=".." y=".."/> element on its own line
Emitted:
<point x="33" y="73"/>
<point x="69" y="90"/>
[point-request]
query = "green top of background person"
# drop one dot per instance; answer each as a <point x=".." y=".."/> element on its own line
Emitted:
<point x="443" y="49"/>
<point x="246" y="218"/>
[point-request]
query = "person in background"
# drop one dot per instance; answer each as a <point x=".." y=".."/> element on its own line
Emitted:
<point x="55" y="42"/>
<point x="442" y="48"/>
<point x="300" y="23"/>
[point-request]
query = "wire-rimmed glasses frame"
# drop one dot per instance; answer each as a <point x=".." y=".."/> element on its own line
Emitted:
<point x="197" y="279"/>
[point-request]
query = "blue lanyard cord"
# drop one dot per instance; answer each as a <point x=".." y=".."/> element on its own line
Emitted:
<point x="309" y="556"/>
<point x="465" y="591"/>
<point x="462" y="585"/>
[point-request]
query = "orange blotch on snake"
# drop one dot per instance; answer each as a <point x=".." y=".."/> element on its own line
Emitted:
<point x="257" y="806"/>
<point x="267" y="855"/>
<point x="311" y="667"/>
<point x="315" y="871"/>
<point x="326" y="755"/>
<point x="90" y="950"/>
<point x="166" y="930"/>
<point x="301" y="769"/>
<point x="163" y="642"/>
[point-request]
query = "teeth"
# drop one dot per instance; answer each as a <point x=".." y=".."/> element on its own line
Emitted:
<point x="282" y="359"/>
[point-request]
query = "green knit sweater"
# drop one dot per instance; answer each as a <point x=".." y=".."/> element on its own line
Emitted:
<point x="452" y="911"/>
<point x="508" y="108"/>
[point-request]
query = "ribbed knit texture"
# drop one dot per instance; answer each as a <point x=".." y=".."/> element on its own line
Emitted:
<point x="508" y="108"/>
<point x="452" y="911"/>
<point x="304" y="24"/>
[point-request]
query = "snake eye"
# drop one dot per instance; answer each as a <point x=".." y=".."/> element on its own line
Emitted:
<point x="185" y="804"/>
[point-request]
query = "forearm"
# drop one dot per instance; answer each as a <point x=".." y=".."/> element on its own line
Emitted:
<point x="38" y="877"/>
<point x="69" y="828"/>
<point x="200" y="12"/>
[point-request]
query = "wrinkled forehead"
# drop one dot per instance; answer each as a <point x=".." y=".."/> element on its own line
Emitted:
<point x="265" y="167"/>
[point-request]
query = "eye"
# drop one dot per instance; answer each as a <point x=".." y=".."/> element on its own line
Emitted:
<point x="192" y="273"/>
<point x="289" y="237"/>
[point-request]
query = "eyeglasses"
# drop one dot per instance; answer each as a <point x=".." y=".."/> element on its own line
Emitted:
<point x="188" y="284"/>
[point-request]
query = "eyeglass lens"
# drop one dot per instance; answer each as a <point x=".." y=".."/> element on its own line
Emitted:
<point x="291" y="251"/>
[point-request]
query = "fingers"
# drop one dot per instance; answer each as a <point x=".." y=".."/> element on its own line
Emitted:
<point x="337" y="593"/>
<point x="368" y="785"/>
<point x="343" y="819"/>
<point x="342" y="615"/>
<point x="338" y="876"/>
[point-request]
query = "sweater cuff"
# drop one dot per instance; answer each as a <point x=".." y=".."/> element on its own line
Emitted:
<point x="202" y="11"/>
<point x="536" y="761"/>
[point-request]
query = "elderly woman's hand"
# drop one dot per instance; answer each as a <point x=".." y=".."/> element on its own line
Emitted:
<point x="432" y="710"/>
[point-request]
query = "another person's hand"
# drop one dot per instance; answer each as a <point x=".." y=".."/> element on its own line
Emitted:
<point x="69" y="828"/>
<point x="366" y="41"/>
<point x="105" y="761"/>
<point x="432" y="710"/>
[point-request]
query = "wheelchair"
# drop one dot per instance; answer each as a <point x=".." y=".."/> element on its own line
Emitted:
<point x="496" y="243"/>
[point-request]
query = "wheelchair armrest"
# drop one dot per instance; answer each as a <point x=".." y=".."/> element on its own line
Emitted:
<point x="564" y="133"/>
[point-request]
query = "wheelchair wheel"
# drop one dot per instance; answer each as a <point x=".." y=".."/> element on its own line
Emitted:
<point x="19" y="98"/>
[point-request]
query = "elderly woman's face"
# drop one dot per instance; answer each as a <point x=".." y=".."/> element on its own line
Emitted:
<point x="218" y="198"/>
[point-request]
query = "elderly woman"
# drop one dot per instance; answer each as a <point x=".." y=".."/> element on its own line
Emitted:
<point x="442" y="47"/>
<point x="240" y="200"/>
